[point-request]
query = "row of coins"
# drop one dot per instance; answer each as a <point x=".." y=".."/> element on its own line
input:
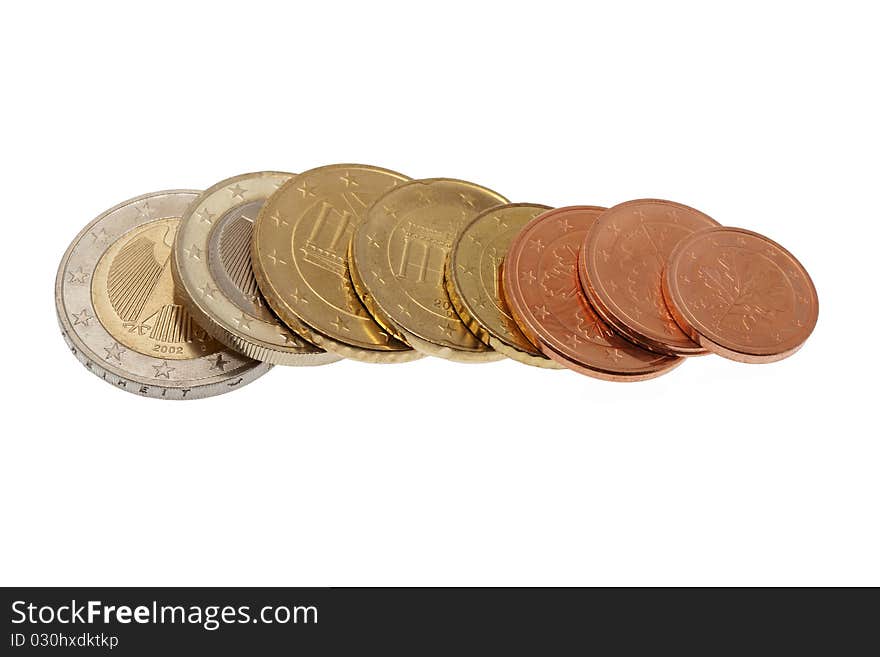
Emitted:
<point x="184" y="294"/>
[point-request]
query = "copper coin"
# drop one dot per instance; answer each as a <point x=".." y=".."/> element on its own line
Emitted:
<point x="740" y="295"/>
<point x="540" y="283"/>
<point x="621" y="265"/>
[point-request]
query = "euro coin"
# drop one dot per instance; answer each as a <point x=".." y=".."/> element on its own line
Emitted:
<point x="740" y="295"/>
<point x="398" y="257"/>
<point x="541" y="287"/>
<point x="473" y="280"/>
<point x="123" y="316"/>
<point x="211" y="262"/>
<point x="621" y="265"/>
<point x="300" y="254"/>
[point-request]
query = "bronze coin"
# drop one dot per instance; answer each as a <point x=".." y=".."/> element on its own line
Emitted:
<point x="740" y="294"/>
<point x="540" y="282"/>
<point x="621" y="265"/>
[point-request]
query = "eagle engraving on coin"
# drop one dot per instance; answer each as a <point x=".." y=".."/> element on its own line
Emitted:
<point x="137" y="300"/>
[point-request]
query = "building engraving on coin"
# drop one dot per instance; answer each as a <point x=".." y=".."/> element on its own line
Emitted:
<point x="136" y="299"/>
<point x="325" y="246"/>
<point x="399" y="256"/>
<point x="121" y="311"/>
<point x="301" y="252"/>
<point x="423" y="254"/>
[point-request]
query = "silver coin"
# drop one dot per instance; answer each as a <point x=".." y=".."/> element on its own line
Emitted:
<point x="122" y="315"/>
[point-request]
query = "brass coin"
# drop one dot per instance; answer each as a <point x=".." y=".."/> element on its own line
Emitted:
<point x="473" y="280"/>
<point x="300" y="254"/>
<point x="212" y="264"/>
<point x="398" y="257"/>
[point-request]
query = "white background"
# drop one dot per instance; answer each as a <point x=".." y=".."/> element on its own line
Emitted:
<point x="764" y="116"/>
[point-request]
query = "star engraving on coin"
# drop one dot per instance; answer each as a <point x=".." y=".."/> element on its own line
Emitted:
<point x="275" y="259"/>
<point x="163" y="369"/>
<point x="83" y="317"/>
<point x="339" y="324"/>
<point x="194" y="252"/>
<point x="291" y="339"/>
<point x="237" y="192"/>
<point x="447" y="330"/>
<point x="220" y="363"/>
<point x="78" y="277"/>
<point x="115" y="351"/>
<point x="101" y="236"/>
<point x="614" y="354"/>
<point x="208" y="291"/>
<point x="278" y="220"/>
<point x="541" y="311"/>
<point x="144" y="211"/>
<point x="207" y="217"/>
<point x="349" y="180"/>
<point x="307" y="190"/>
<point x="242" y="321"/>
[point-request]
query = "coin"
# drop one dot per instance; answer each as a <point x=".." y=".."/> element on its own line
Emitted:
<point x="621" y="265"/>
<point x="541" y="286"/>
<point x="211" y="262"/>
<point x="473" y="280"/>
<point x="300" y="251"/>
<point x="121" y="313"/>
<point x="398" y="256"/>
<point x="740" y="295"/>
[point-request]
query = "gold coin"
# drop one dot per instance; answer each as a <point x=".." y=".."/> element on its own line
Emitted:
<point x="398" y="257"/>
<point x="212" y="264"/>
<point x="473" y="280"/>
<point x="300" y="255"/>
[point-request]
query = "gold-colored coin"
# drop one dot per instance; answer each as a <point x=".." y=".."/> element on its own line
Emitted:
<point x="212" y="263"/>
<point x="473" y="280"/>
<point x="300" y="255"/>
<point x="398" y="257"/>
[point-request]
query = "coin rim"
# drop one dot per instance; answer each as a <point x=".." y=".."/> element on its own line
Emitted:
<point x="716" y="342"/>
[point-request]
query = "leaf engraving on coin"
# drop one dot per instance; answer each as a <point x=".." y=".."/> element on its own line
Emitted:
<point x="745" y="290"/>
